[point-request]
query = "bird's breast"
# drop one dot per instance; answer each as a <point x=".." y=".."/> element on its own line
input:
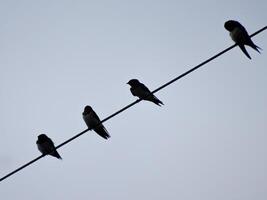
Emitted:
<point x="90" y="120"/>
<point x="45" y="147"/>
<point x="139" y="92"/>
<point x="238" y="35"/>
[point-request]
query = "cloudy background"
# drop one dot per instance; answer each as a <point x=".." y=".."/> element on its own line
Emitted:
<point x="208" y="141"/>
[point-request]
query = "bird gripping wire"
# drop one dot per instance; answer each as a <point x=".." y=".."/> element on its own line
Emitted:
<point x="132" y="104"/>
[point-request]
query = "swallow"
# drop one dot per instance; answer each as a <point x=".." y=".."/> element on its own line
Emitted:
<point x="140" y="90"/>
<point x="46" y="146"/>
<point x="240" y="36"/>
<point x="93" y="122"/>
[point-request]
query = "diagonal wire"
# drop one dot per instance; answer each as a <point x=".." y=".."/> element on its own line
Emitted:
<point x="132" y="104"/>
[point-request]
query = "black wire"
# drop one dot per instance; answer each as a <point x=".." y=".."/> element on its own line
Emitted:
<point x="203" y="63"/>
<point x="132" y="104"/>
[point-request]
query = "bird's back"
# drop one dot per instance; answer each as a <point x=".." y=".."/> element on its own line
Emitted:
<point x="91" y="119"/>
<point x="239" y="35"/>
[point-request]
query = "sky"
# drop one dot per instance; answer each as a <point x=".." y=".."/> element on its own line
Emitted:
<point x="207" y="142"/>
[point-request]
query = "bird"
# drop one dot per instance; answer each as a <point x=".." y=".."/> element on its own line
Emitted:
<point x="46" y="146"/>
<point x="93" y="122"/>
<point x="140" y="90"/>
<point x="240" y="36"/>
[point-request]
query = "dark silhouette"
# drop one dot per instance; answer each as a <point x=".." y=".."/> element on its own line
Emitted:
<point x="46" y="146"/>
<point x="129" y="105"/>
<point x="92" y="121"/>
<point x="140" y="90"/>
<point x="240" y="36"/>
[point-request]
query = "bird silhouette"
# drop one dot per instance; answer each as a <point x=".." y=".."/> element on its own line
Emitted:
<point x="46" y="146"/>
<point x="140" y="90"/>
<point x="93" y="122"/>
<point x="240" y="36"/>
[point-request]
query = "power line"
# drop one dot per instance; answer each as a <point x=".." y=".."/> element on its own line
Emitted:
<point x="132" y="104"/>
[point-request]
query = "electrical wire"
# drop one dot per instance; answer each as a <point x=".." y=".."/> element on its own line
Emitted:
<point x="132" y="104"/>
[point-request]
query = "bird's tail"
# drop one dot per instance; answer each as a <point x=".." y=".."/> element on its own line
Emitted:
<point x="242" y="47"/>
<point x="252" y="45"/>
<point x="102" y="131"/>
<point x="256" y="48"/>
<point x="56" y="154"/>
<point x="156" y="101"/>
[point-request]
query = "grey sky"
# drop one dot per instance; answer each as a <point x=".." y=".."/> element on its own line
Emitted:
<point x="208" y="141"/>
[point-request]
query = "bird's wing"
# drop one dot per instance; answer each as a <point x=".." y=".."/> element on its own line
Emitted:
<point x="95" y="116"/>
<point x="50" y="142"/>
<point x="144" y="88"/>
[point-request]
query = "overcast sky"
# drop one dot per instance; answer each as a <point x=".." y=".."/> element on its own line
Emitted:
<point x="207" y="142"/>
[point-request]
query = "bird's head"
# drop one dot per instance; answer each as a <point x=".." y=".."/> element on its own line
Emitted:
<point x="230" y="25"/>
<point x="87" y="109"/>
<point x="42" y="137"/>
<point x="133" y="82"/>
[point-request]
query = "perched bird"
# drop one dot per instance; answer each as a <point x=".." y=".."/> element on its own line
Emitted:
<point x="92" y="121"/>
<point x="140" y="90"/>
<point x="240" y="36"/>
<point x="46" y="146"/>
